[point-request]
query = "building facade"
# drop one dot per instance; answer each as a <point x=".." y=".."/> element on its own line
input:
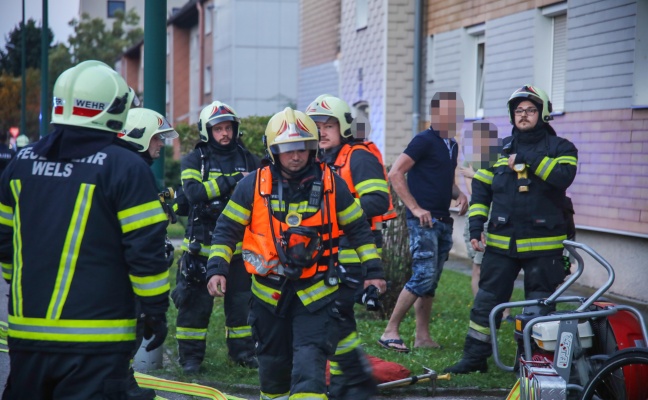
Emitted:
<point x="591" y="56"/>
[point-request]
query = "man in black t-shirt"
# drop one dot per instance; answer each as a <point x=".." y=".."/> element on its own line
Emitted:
<point x="429" y="161"/>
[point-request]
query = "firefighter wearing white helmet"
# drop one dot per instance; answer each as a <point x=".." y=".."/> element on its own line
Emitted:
<point x="359" y="163"/>
<point x="289" y="215"/>
<point x="209" y="175"/>
<point x="524" y="192"/>
<point x="87" y="252"/>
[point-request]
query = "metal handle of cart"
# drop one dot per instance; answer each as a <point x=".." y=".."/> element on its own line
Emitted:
<point x="579" y="313"/>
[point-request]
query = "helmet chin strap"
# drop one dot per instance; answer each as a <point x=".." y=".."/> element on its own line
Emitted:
<point x="294" y="174"/>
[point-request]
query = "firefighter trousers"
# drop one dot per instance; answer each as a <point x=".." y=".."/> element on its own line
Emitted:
<point x="350" y="370"/>
<point x="292" y="348"/>
<point x="37" y="375"/>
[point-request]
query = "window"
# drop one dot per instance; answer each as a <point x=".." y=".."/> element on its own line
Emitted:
<point x="429" y="67"/>
<point x="114" y="6"/>
<point x="362" y="14"/>
<point x="472" y="70"/>
<point x="208" y="19"/>
<point x="207" y="80"/>
<point x="167" y="92"/>
<point x="554" y="26"/>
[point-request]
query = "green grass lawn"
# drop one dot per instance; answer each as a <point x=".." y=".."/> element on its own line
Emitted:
<point x="448" y="327"/>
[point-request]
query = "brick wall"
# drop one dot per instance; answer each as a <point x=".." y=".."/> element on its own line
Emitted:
<point x="320" y="31"/>
<point x="180" y="81"/>
<point x="445" y="15"/>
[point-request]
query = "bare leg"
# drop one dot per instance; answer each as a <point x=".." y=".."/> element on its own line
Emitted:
<point x="423" y="310"/>
<point x="405" y="301"/>
<point x="474" y="278"/>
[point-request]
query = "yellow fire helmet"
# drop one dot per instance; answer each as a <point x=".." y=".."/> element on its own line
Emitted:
<point x="92" y="95"/>
<point x="534" y="94"/>
<point x="290" y="130"/>
<point x="214" y="114"/>
<point x="327" y="106"/>
<point x="142" y="124"/>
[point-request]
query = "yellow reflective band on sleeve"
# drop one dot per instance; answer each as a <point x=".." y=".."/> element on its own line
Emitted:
<point x="222" y="251"/>
<point x="148" y="286"/>
<point x="183" y="333"/>
<point x="546" y="166"/>
<point x="372" y="185"/>
<point x="237" y="213"/>
<point x="212" y="189"/>
<point x="6" y="215"/>
<point x="571" y="160"/>
<point x="191" y="174"/>
<point x="7" y="271"/>
<point x="540" y="244"/>
<point x="60" y="330"/>
<point x="307" y="396"/>
<point x="204" y="250"/>
<point x="270" y="396"/>
<point x="140" y="216"/>
<point x="501" y="162"/>
<point x="501" y="242"/>
<point x="367" y="252"/>
<point x="348" y="256"/>
<point x="349" y="215"/>
<point x="348" y="344"/>
<point x="239" y="248"/>
<point x="265" y="293"/>
<point x="478" y="209"/>
<point x="238" y="332"/>
<point x="315" y="292"/>
<point x="485" y="176"/>
<point x="70" y="252"/>
<point x="334" y="368"/>
<point x="16" y="279"/>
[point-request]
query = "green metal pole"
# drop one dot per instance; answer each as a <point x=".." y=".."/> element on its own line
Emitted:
<point x="155" y="67"/>
<point x="44" y="106"/>
<point x="23" y="64"/>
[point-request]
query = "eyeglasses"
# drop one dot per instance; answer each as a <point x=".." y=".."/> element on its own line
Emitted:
<point x="527" y="111"/>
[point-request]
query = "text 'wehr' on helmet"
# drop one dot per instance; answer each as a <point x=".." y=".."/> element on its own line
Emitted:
<point x="214" y="114"/>
<point x="142" y="124"/>
<point x="327" y="106"/>
<point x="92" y="95"/>
<point x="534" y="94"/>
<point x="290" y="130"/>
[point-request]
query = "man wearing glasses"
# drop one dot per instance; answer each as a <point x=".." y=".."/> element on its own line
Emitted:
<point x="525" y="194"/>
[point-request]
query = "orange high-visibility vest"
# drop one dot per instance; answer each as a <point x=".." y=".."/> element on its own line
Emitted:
<point x="259" y="249"/>
<point x="343" y="166"/>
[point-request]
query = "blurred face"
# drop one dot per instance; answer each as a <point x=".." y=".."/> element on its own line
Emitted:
<point x="482" y="146"/>
<point x="523" y="120"/>
<point x="223" y="132"/>
<point x="448" y="117"/>
<point x="330" y="136"/>
<point x="155" y="146"/>
<point x="295" y="160"/>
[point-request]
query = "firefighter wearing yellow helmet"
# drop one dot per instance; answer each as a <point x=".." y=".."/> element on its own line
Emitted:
<point x="77" y="261"/>
<point x="359" y="163"/>
<point x="209" y="174"/>
<point x="289" y="215"/>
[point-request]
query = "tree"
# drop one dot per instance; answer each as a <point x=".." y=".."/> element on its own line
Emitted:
<point x="10" y="102"/>
<point x="10" y="59"/>
<point x="93" y="41"/>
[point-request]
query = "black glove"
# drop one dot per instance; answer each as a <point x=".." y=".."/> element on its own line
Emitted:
<point x="155" y="325"/>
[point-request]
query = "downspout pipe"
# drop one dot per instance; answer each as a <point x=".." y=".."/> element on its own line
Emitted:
<point x="418" y="50"/>
<point x="201" y="52"/>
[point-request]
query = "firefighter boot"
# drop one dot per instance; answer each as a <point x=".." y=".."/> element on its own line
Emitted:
<point x="474" y="358"/>
<point x="135" y="392"/>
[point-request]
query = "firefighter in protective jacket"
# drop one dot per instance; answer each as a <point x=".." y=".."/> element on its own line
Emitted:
<point x="209" y="175"/>
<point x="525" y="194"/>
<point x="80" y="234"/>
<point x="359" y="163"/>
<point x="289" y="214"/>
